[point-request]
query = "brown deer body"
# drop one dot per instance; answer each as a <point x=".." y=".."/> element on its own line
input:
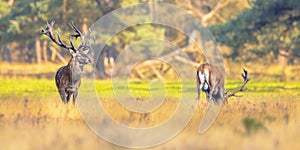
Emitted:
<point x="68" y="78"/>
<point x="210" y="80"/>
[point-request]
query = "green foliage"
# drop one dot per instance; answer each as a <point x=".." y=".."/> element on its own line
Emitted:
<point x="269" y="26"/>
<point x="265" y="28"/>
<point x="253" y="125"/>
<point x="23" y="23"/>
<point x="4" y="8"/>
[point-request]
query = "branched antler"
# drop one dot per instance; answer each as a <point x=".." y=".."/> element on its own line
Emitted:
<point x="49" y="32"/>
<point x="240" y="89"/>
<point x="79" y="34"/>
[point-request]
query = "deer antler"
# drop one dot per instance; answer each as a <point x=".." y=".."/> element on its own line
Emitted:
<point x="240" y="89"/>
<point x="49" y="32"/>
<point x="83" y="44"/>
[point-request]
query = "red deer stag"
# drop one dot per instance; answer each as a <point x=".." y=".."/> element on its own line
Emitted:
<point x="68" y="78"/>
<point x="211" y="81"/>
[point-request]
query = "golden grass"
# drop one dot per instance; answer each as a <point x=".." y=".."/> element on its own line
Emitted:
<point x="33" y="117"/>
<point x="21" y="70"/>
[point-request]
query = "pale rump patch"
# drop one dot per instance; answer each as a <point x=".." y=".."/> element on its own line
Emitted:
<point x="204" y="79"/>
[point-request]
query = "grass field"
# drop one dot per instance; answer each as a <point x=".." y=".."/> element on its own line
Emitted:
<point x="32" y="116"/>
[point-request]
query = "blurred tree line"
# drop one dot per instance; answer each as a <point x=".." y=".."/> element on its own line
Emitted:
<point x="268" y="32"/>
<point x="252" y="30"/>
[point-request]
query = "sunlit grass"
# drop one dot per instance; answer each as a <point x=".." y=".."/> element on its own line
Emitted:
<point x="267" y="112"/>
<point x="46" y="88"/>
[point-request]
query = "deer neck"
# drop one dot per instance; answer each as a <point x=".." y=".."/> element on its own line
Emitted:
<point x="75" y="68"/>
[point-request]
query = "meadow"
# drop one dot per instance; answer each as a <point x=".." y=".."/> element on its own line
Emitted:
<point x="32" y="116"/>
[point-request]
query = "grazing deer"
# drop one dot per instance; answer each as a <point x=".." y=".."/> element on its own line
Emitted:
<point x="210" y="80"/>
<point x="68" y="78"/>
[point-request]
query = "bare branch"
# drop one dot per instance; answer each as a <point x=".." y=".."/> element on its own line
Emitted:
<point x="205" y="17"/>
<point x="188" y="5"/>
<point x="219" y="17"/>
<point x="219" y="6"/>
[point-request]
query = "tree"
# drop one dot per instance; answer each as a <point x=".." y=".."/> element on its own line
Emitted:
<point x="21" y="23"/>
<point x="268" y="28"/>
<point x="5" y="9"/>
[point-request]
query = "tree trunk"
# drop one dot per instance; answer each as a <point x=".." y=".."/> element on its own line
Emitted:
<point x="53" y="54"/>
<point x="45" y="57"/>
<point x="31" y="52"/>
<point x="85" y="26"/>
<point x="2" y="52"/>
<point x="283" y="61"/>
<point x="38" y="50"/>
<point x="25" y="53"/>
<point x="7" y="52"/>
<point x="282" y="58"/>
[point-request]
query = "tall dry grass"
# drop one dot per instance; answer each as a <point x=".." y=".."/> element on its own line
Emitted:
<point x="33" y="117"/>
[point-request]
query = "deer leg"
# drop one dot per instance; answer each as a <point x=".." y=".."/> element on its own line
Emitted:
<point x="75" y="96"/>
<point x="62" y="94"/>
<point x="71" y="90"/>
<point x="207" y="96"/>
<point x="211" y="92"/>
<point x="63" y="97"/>
<point x="69" y="96"/>
<point x="215" y="90"/>
<point x="221" y="91"/>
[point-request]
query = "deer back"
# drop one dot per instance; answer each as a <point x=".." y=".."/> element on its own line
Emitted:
<point x="216" y="76"/>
